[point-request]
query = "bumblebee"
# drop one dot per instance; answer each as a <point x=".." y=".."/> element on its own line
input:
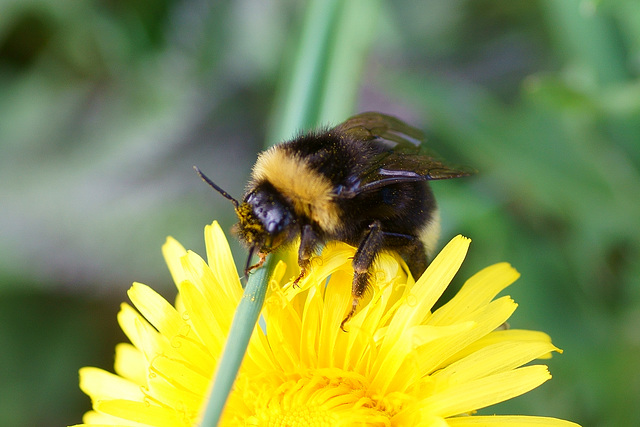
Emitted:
<point x="362" y="182"/>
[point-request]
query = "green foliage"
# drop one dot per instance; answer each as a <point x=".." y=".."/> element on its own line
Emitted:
<point x="105" y="106"/>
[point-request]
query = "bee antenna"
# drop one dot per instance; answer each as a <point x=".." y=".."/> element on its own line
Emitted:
<point x="215" y="187"/>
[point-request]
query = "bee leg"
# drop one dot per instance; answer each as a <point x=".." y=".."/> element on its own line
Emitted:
<point x="362" y="260"/>
<point x="308" y="241"/>
<point x="262" y="257"/>
<point x="415" y="256"/>
<point x="411" y="249"/>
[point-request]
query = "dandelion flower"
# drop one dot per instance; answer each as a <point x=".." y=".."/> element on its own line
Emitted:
<point x="401" y="363"/>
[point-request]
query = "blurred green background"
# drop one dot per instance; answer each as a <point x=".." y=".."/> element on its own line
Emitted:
<point x="106" y="105"/>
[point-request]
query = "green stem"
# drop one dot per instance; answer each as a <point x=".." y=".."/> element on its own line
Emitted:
<point x="242" y="327"/>
<point x="301" y="91"/>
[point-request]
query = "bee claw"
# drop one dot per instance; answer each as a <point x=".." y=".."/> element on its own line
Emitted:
<point x="350" y="314"/>
<point x="303" y="272"/>
<point x="263" y="257"/>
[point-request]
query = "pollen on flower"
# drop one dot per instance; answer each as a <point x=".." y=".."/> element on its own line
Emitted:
<point x="309" y="399"/>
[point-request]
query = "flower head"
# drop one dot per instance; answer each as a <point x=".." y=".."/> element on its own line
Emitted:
<point x="401" y="363"/>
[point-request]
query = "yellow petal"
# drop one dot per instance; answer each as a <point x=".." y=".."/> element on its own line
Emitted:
<point x="220" y="259"/>
<point x="203" y="319"/>
<point x="426" y="291"/>
<point x="433" y="356"/>
<point x="131" y="363"/>
<point x="223" y="296"/>
<point x="174" y="384"/>
<point x="335" y="257"/>
<point x="334" y="310"/>
<point x="102" y="385"/>
<point x="437" y="277"/>
<point x="402" y="367"/>
<point x="162" y="315"/>
<point x="138" y="330"/>
<point x="172" y="252"/>
<point x="508" y="421"/>
<point x="421" y="298"/>
<point x="478" y="291"/>
<point x="96" y="419"/>
<point x="490" y="360"/>
<point x="310" y="328"/>
<point x="407" y="418"/>
<point x="473" y="395"/>
<point x="141" y="412"/>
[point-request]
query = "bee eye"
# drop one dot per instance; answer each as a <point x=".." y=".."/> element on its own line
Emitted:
<point x="270" y="211"/>
<point x="275" y="219"/>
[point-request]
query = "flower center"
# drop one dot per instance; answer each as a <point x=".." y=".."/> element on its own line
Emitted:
<point x="328" y="398"/>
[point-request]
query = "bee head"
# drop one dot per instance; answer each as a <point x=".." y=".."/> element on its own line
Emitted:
<point x="264" y="220"/>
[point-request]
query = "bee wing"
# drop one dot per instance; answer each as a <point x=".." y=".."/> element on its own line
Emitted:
<point x="404" y="159"/>
<point x="385" y="129"/>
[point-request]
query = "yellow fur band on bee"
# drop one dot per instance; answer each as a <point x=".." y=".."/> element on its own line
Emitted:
<point x="310" y="193"/>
